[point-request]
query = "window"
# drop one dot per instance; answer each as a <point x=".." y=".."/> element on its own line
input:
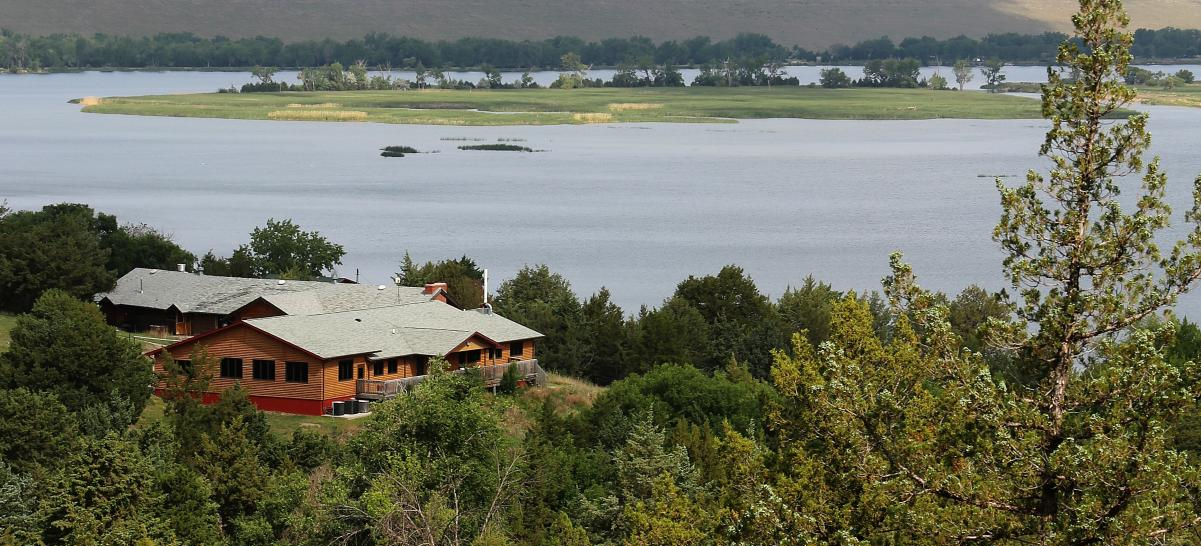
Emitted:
<point x="379" y="367"/>
<point x="469" y="357"/>
<point x="391" y="365"/>
<point x="231" y="368"/>
<point x="186" y="366"/>
<point x="296" y="372"/>
<point x="264" y="369"/>
<point x="345" y="370"/>
<point x="517" y="349"/>
<point x="420" y="364"/>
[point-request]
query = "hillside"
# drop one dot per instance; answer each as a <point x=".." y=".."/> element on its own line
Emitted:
<point x="809" y="23"/>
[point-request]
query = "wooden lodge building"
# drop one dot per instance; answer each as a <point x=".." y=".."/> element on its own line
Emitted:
<point x="186" y="304"/>
<point x="298" y="347"/>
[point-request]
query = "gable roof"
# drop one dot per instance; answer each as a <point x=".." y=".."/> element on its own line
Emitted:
<point x="192" y="293"/>
<point x="428" y="328"/>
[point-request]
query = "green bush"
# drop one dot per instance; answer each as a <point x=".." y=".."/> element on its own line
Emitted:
<point x="508" y="381"/>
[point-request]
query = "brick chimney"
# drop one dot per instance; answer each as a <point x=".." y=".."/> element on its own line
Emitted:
<point x="433" y="287"/>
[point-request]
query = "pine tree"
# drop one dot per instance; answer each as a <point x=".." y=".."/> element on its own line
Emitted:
<point x="918" y="437"/>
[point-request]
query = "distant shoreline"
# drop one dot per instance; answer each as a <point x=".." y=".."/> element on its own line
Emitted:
<point x="577" y="106"/>
<point x="510" y="70"/>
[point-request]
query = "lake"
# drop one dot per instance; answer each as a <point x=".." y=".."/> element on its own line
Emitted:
<point x="636" y="208"/>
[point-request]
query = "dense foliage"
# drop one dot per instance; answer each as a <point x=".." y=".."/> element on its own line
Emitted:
<point x="1066" y="411"/>
<point x="281" y="249"/>
<point x="59" y="51"/>
<point x="72" y="248"/>
<point x="464" y="279"/>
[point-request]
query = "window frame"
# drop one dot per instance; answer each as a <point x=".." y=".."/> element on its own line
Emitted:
<point x="377" y="367"/>
<point x="393" y="365"/>
<point x="226" y="366"/>
<point x="464" y="361"/>
<point x="294" y="376"/>
<point x="346" y="370"/>
<point x="520" y="346"/>
<point x="268" y="365"/>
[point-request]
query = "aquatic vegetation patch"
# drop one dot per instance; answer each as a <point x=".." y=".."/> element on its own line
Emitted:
<point x="317" y="115"/>
<point x="593" y="117"/>
<point x="318" y="105"/>
<point x="497" y="148"/>
<point x="397" y="151"/>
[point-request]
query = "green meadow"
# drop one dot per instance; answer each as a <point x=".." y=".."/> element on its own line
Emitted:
<point x="577" y="106"/>
<point x="7" y="322"/>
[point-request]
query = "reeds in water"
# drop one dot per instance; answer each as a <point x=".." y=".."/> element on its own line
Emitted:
<point x="317" y="115"/>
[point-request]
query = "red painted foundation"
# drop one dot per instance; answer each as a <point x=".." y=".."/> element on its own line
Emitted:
<point x="281" y="405"/>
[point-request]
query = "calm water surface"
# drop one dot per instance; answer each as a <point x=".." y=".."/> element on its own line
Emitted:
<point x="636" y="208"/>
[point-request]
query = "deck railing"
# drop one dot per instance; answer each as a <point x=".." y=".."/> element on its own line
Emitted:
<point x="383" y="389"/>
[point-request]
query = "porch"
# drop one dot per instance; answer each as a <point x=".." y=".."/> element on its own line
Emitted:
<point x="375" y="389"/>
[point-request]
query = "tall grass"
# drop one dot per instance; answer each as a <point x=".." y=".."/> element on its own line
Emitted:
<point x="593" y="117"/>
<point x="317" y="115"/>
<point x="627" y="106"/>
<point x="318" y="105"/>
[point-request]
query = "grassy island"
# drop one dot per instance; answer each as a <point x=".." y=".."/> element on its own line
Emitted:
<point x="577" y="106"/>
<point x="1185" y="95"/>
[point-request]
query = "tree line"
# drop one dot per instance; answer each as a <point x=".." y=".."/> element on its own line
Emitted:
<point x="1064" y="410"/>
<point x="74" y="51"/>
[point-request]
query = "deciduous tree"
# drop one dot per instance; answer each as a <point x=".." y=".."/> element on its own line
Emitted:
<point x="963" y="73"/>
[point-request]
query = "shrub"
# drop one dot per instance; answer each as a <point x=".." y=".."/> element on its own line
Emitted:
<point x="938" y="82"/>
<point x="508" y="381"/>
<point x="834" y="78"/>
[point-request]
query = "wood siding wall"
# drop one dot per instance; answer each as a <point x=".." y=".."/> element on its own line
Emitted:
<point x="256" y="309"/>
<point x="249" y="345"/>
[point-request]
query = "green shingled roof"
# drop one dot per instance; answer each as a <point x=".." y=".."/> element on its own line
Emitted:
<point x="192" y="293"/>
<point x="428" y="328"/>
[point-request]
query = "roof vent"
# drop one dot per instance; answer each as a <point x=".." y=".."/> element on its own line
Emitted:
<point x="183" y="268"/>
<point x="358" y="320"/>
<point x="153" y="271"/>
<point x="381" y="287"/>
<point x="281" y="282"/>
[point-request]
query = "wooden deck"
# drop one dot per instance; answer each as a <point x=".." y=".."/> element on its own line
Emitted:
<point x="375" y="389"/>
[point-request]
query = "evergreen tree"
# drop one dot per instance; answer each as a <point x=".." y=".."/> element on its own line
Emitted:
<point x="63" y="346"/>
<point x="917" y="437"/>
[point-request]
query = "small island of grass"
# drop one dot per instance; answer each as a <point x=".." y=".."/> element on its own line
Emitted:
<point x="578" y="106"/>
<point x="397" y="151"/>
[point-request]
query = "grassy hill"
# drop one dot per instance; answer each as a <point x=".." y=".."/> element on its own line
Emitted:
<point x="810" y="23"/>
